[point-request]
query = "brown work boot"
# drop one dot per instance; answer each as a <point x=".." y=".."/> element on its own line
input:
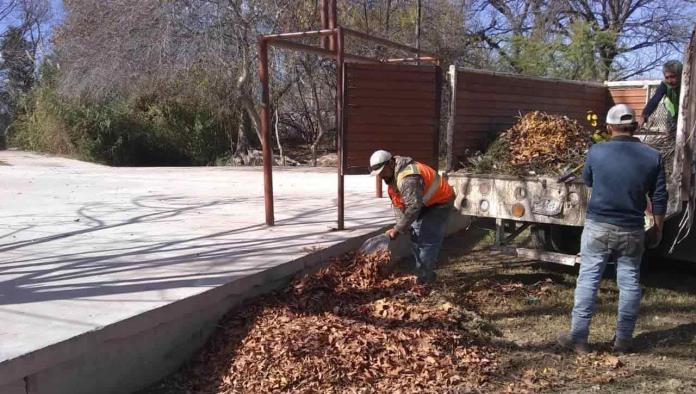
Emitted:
<point x="623" y="345"/>
<point x="566" y="341"/>
<point x="426" y="278"/>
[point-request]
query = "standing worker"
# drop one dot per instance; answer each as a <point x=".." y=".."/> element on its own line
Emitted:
<point x="621" y="172"/>
<point x="422" y="200"/>
<point x="667" y="93"/>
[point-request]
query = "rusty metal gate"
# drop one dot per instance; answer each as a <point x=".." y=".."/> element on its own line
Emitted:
<point x="391" y="107"/>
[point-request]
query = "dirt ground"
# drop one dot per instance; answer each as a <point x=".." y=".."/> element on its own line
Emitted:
<point x="518" y="308"/>
<point x="530" y="303"/>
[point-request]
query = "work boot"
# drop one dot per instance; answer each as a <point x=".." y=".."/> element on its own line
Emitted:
<point x="623" y="345"/>
<point x="566" y="341"/>
<point x="425" y="278"/>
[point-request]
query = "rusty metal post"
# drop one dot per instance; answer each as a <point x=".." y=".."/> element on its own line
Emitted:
<point x="391" y="44"/>
<point x="418" y="30"/>
<point x="438" y="115"/>
<point x="333" y="23"/>
<point x="451" y="126"/>
<point x="299" y="34"/>
<point x="318" y="51"/>
<point x="378" y="186"/>
<point x="265" y="133"/>
<point x="325" y="22"/>
<point x="340" y="143"/>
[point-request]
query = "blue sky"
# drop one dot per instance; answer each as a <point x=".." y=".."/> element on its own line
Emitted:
<point x="58" y="14"/>
<point x="57" y="10"/>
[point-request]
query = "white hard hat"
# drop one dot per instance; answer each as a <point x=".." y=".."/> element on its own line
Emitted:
<point x="378" y="160"/>
<point x="621" y="114"/>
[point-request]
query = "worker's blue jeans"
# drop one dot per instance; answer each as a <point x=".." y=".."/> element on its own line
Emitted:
<point x="427" y="233"/>
<point x="602" y="242"/>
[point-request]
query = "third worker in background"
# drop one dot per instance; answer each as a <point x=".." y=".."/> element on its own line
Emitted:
<point x="667" y="94"/>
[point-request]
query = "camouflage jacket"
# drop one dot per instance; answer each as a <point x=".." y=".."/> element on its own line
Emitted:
<point x="411" y="191"/>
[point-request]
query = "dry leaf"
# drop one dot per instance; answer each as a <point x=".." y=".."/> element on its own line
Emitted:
<point x="345" y="328"/>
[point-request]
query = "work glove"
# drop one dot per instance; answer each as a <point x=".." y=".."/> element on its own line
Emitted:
<point x="599" y="137"/>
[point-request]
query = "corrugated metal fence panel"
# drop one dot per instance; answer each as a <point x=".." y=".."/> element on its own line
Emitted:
<point x="392" y="107"/>
<point x="489" y="103"/>
<point x="634" y="97"/>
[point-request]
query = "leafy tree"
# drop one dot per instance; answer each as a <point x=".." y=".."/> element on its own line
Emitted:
<point x="16" y="73"/>
<point x="17" y="65"/>
<point x="623" y="30"/>
<point x="579" y="57"/>
<point x="624" y="37"/>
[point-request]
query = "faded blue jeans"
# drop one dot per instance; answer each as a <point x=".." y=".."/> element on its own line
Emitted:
<point x="427" y="233"/>
<point x="602" y="242"/>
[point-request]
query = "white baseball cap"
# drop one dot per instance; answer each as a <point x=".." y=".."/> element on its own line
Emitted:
<point x="378" y="160"/>
<point x="621" y="114"/>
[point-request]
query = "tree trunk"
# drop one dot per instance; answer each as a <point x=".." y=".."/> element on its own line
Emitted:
<point x="229" y="131"/>
<point x="320" y="123"/>
<point x="386" y="27"/>
<point x="607" y="55"/>
<point x="365" y="16"/>
<point x="253" y="114"/>
<point x="241" y="152"/>
<point x="246" y="96"/>
<point x="280" y="146"/>
<point x="418" y="28"/>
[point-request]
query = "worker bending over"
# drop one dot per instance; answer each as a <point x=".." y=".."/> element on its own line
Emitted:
<point x="422" y="200"/>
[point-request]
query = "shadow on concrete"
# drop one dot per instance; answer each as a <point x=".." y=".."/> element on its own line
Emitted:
<point x="58" y="274"/>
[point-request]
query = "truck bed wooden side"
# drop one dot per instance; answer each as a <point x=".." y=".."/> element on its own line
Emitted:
<point x="534" y="199"/>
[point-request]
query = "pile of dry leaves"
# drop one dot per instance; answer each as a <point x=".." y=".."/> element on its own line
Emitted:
<point x="350" y="327"/>
<point x="539" y="143"/>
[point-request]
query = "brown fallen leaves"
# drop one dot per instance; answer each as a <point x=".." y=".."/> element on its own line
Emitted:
<point x="538" y="143"/>
<point x="593" y="368"/>
<point x="600" y="368"/>
<point x="350" y="327"/>
<point x="493" y="292"/>
<point x="545" y="138"/>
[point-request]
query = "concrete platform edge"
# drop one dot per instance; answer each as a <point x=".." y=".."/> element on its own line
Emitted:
<point x="134" y="353"/>
<point x="114" y="360"/>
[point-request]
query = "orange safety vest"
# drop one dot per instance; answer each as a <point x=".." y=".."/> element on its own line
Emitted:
<point x="436" y="190"/>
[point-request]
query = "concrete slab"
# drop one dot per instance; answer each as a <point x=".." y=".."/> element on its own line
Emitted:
<point x="99" y="265"/>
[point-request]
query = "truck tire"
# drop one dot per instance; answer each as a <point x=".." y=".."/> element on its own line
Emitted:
<point x="557" y="238"/>
<point x="540" y="235"/>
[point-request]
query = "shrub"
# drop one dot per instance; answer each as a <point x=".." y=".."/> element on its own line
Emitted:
<point x="140" y="131"/>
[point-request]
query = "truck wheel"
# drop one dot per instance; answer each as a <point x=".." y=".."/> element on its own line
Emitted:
<point x="540" y="233"/>
<point x="557" y="238"/>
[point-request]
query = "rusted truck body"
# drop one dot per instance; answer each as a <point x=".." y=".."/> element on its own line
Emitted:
<point x="483" y="104"/>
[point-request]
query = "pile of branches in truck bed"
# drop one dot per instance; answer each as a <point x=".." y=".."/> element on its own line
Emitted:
<point x="538" y="144"/>
<point x="350" y="327"/>
<point x="665" y="143"/>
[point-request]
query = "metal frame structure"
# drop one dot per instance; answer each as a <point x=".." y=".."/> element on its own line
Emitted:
<point x="331" y="45"/>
